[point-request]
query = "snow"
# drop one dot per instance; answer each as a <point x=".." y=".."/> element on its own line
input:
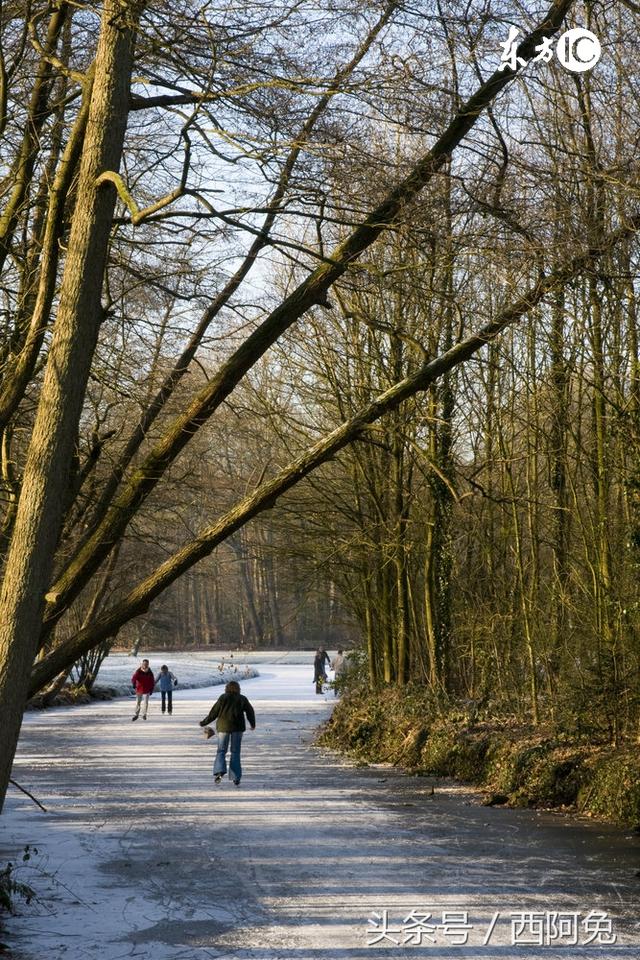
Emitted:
<point x="193" y="670"/>
<point x="141" y="856"/>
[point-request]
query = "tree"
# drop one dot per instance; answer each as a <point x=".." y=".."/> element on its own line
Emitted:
<point x="39" y="512"/>
<point x="38" y="515"/>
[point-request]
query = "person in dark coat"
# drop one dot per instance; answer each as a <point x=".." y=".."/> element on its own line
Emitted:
<point x="319" y="668"/>
<point x="229" y="712"/>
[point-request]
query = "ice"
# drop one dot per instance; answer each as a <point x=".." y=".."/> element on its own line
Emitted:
<point x="141" y="856"/>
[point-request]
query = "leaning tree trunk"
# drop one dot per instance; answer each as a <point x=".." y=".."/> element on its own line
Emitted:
<point x="39" y="513"/>
<point x="269" y="491"/>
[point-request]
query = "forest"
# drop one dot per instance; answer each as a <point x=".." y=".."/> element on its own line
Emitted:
<point x="320" y="324"/>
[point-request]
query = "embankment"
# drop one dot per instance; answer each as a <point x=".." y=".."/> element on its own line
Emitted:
<point x="515" y="764"/>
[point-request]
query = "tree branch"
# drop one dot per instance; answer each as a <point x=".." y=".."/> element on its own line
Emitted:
<point x="30" y="795"/>
<point x="311" y="292"/>
<point x="266" y="494"/>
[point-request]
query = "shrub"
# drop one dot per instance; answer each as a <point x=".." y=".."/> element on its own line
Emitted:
<point x="10" y="887"/>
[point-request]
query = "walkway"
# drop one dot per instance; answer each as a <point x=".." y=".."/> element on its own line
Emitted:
<point x="141" y="856"/>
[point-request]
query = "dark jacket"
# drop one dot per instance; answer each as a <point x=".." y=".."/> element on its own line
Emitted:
<point x="319" y="672"/>
<point x="229" y="710"/>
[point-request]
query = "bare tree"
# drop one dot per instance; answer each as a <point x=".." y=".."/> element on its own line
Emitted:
<point x="88" y="294"/>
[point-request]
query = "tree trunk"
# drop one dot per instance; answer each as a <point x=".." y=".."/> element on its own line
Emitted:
<point x="265" y="495"/>
<point x="311" y="292"/>
<point x="46" y="475"/>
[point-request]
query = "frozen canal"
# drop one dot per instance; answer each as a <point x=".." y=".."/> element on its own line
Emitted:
<point x="141" y="856"/>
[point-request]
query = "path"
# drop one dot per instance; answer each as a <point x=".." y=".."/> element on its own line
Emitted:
<point x="140" y="856"/>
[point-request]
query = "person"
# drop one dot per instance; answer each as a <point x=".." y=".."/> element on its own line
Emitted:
<point x="337" y="665"/>
<point x="143" y="683"/>
<point x="167" y="681"/>
<point x="229" y="712"/>
<point x="319" y="671"/>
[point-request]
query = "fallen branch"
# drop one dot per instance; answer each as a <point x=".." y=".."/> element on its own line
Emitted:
<point x="30" y="795"/>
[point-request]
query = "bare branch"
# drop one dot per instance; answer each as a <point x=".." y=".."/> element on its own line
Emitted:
<point x="30" y="795"/>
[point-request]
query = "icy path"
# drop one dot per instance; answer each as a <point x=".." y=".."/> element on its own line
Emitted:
<point x="141" y="856"/>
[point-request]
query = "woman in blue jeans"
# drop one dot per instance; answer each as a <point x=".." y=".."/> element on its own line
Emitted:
<point x="229" y="711"/>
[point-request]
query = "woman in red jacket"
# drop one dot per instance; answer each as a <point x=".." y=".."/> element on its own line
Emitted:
<point x="143" y="682"/>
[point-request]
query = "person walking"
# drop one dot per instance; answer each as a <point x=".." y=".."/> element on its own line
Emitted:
<point x="143" y="683"/>
<point x="167" y="682"/>
<point x="229" y="712"/>
<point x="319" y="669"/>
<point x="337" y="665"/>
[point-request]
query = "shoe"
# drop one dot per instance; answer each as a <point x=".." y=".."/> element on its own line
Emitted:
<point x="237" y="783"/>
<point x="169" y="712"/>
<point x="134" y="718"/>
<point x="144" y="717"/>
<point x="218" y="777"/>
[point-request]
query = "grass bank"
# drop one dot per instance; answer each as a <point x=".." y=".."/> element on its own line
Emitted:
<point x="72" y="697"/>
<point x="516" y="764"/>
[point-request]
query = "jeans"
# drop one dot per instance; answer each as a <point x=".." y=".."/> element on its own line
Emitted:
<point x="224" y="741"/>
<point x="139" y="698"/>
<point x="168" y="694"/>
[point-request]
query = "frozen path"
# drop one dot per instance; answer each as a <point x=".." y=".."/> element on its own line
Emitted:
<point x="141" y="856"/>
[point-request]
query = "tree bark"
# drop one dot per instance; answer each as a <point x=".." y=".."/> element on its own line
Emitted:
<point x="46" y="475"/>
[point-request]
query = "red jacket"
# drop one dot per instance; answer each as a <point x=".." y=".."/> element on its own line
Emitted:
<point x="143" y="681"/>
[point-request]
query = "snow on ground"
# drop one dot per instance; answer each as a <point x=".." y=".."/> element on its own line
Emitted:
<point x="192" y="670"/>
<point x="141" y="856"/>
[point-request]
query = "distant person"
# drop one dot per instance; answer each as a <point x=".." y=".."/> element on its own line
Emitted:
<point x="319" y="668"/>
<point x="167" y="681"/>
<point x="143" y="682"/>
<point x="229" y="712"/>
<point x="338" y="665"/>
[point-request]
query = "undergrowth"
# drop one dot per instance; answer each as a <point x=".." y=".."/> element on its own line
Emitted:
<point x="515" y="763"/>
<point x="11" y="888"/>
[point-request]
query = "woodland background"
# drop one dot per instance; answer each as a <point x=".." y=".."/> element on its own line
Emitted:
<point x="481" y="538"/>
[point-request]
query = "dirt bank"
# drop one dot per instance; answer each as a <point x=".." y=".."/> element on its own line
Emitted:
<point x="516" y="764"/>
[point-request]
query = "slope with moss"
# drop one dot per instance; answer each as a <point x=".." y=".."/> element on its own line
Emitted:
<point x="513" y="762"/>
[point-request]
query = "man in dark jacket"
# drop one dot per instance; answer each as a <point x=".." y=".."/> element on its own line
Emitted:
<point x="319" y="669"/>
<point x="229" y="711"/>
